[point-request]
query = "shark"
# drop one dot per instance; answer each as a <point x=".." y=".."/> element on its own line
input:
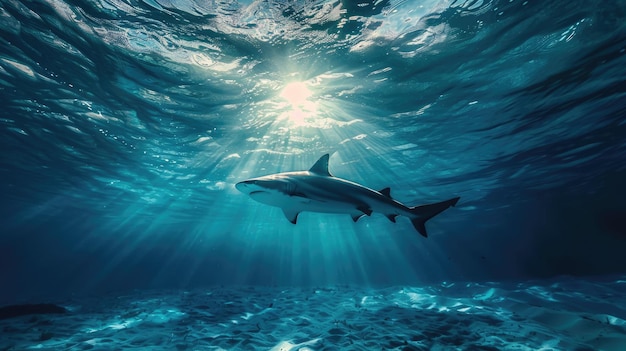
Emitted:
<point x="317" y="190"/>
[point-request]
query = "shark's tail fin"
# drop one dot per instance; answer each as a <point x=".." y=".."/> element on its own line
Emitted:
<point x="426" y="212"/>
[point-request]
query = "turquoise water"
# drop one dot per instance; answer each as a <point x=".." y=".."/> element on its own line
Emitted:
<point x="125" y="125"/>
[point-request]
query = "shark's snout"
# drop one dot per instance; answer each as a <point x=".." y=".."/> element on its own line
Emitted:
<point x="245" y="186"/>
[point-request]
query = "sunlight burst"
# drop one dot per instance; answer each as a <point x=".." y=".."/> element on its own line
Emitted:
<point x="296" y="93"/>
<point x="301" y="108"/>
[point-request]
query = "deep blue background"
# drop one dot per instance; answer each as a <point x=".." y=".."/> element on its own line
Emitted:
<point x="123" y="129"/>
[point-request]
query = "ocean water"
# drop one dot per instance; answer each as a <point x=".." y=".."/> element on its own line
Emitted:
<point x="125" y="125"/>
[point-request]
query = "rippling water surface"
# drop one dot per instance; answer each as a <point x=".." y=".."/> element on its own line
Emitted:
<point x="125" y="124"/>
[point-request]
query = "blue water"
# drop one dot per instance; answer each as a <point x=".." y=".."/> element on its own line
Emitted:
<point x="125" y="124"/>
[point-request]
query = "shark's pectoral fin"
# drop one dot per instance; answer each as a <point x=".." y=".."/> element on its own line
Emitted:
<point x="392" y="217"/>
<point x="291" y="214"/>
<point x="366" y="210"/>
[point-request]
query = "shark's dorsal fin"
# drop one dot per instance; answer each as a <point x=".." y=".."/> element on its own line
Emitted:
<point x="291" y="214"/>
<point x="321" y="166"/>
<point x="386" y="192"/>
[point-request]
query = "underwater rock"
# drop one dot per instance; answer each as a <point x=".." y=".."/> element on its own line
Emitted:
<point x="13" y="311"/>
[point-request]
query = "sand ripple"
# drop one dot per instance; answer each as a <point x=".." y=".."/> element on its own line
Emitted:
<point x="566" y="314"/>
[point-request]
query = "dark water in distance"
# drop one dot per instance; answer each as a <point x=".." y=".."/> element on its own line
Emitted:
<point x="125" y="124"/>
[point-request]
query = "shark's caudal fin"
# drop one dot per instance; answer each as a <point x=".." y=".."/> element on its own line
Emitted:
<point x="426" y="212"/>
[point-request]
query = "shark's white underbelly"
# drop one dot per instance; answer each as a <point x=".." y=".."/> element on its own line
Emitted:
<point x="302" y="204"/>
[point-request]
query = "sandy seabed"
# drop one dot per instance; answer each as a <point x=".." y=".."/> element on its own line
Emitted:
<point x="565" y="314"/>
